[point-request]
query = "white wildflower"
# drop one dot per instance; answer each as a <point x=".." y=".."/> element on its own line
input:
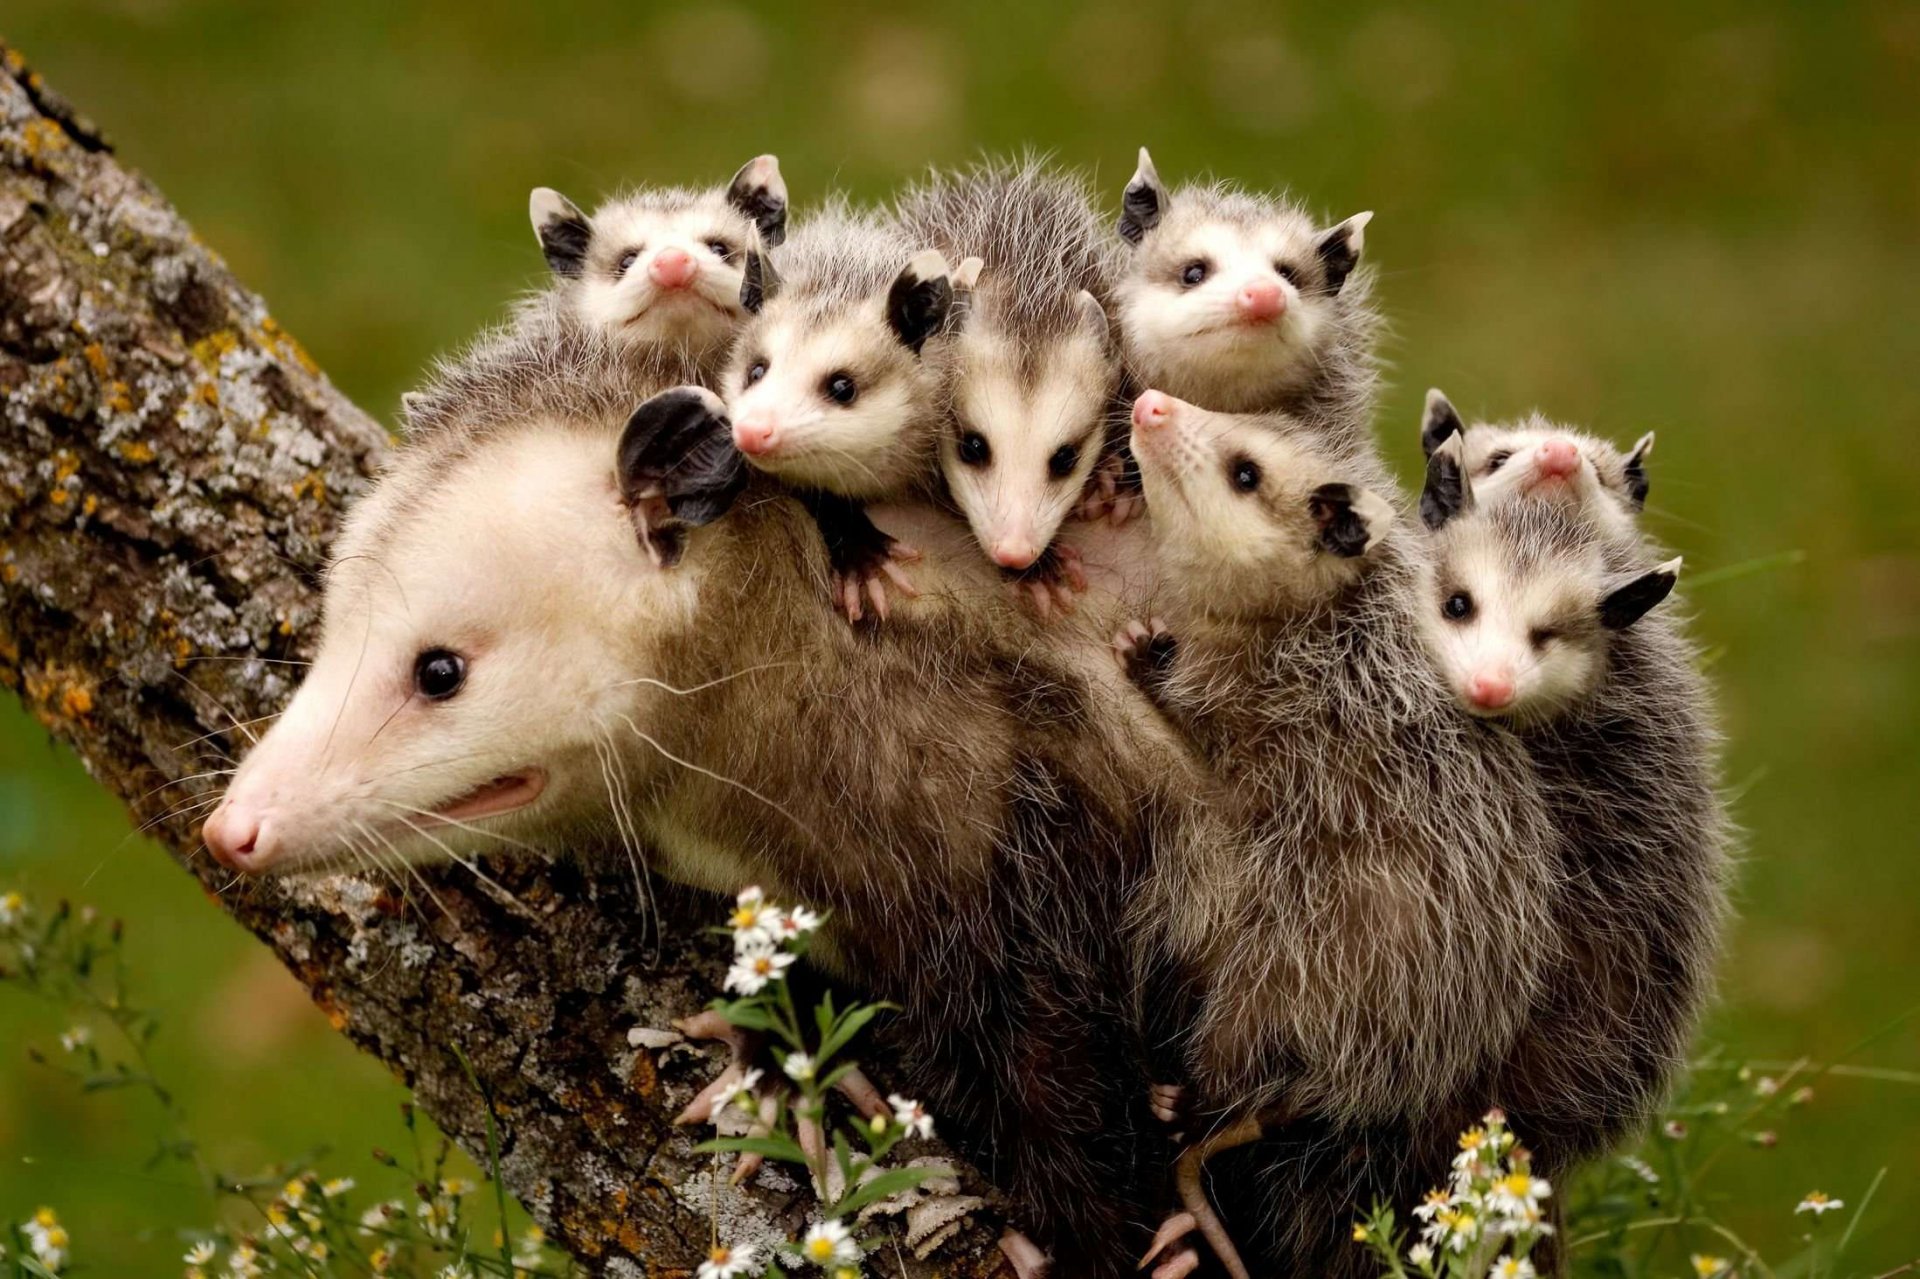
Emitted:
<point x="753" y="920"/>
<point x="376" y="1219"/>
<point x="1818" y="1203"/>
<point x="828" y="1244"/>
<point x="1518" y="1194"/>
<point x="1420" y="1254"/>
<point x="1511" y="1268"/>
<point x="799" y="1067"/>
<point x="1434" y="1202"/>
<point x="337" y="1187"/>
<point x="911" y="1115"/>
<point x="74" y="1038"/>
<point x="795" y="923"/>
<point x="13" y="909"/>
<point x="48" y="1239"/>
<point x="201" y="1253"/>
<point x="456" y="1270"/>
<point x="725" y="1263"/>
<point x="1707" y="1267"/>
<point x="755" y="965"/>
<point x="743" y="1095"/>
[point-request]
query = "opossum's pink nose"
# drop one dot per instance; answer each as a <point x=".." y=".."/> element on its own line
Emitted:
<point x="1260" y="300"/>
<point x="1490" y="690"/>
<point x="233" y="836"/>
<point x="1015" y="552"/>
<point x="755" y="431"/>
<point x="1153" y="408"/>
<point x="673" y="268"/>
<point x="1556" y="459"/>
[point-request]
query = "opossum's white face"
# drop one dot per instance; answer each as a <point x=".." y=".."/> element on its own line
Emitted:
<point x="1231" y="310"/>
<point x="842" y="397"/>
<point x="1027" y="428"/>
<point x="1245" y="520"/>
<point x="1517" y="639"/>
<point x="476" y="680"/>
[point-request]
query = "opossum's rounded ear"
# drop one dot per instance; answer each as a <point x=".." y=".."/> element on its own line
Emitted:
<point x="760" y="193"/>
<point x="1092" y="318"/>
<point x="676" y="461"/>
<point x="921" y="297"/>
<point x="1438" y="422"/>
<point x="563" y="230"/>
<point x="1624" y="605"/>
<point x="1143" y="203"/>
<point x="1638" y="484"/>
<point x="1339" y="248"/>
<point x="1447" y="492"/>
<point x="411" y="403"/>
<point x="1351" y="520"/>
<point x="759" y="283"/>
<point x="965" y="279"/>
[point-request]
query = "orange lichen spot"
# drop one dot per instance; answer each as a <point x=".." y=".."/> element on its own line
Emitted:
<point x="89" y="506"/>
<point x="10" y="573"/>
<point x="208" y="393"/>
<point x="313" y="485"/>
<point x="65" y="466"/>
<point x="139" y="452"/>
<point x="59" y="696"/>
<point x="182" y="650"/>
<point x="59" y="497"/>
<point x="42" y="138"/>
<point x="644" y="1078"/>
<point x="120" y="397"/>
<point x="96" y="357"/>
<point x="76" y="702"/>
<point x="210" y="348"/>
<point x="16" y="61"/>
<point x="285" y="627"/>
<point x="286" y="345"/>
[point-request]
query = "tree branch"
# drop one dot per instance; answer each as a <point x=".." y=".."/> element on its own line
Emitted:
<point x="172" y="464"/>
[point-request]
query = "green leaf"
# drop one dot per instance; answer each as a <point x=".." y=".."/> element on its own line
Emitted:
<point x="784" y="1149"/>
<point x="891" y="1182"/>
<point x="847" y="1027"/>
<point x="747" y="1014"/>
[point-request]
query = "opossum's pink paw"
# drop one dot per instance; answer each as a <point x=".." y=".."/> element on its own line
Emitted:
<point x="868" y="576"/>
<point x="1183" y="1262"/>
<point x="1145" y="649"/>
<point x="736" y="1078"/>
<point x="1163" y="1249"/>
<point x="1112" y="493"/>
<point x="1170" y="1103"/>
<point x="1029" y="1261"/>
<point x="1052" y="582"/>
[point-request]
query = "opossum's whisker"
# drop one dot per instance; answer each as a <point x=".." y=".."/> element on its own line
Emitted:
<point x="465" y="826"/>
<point x="434" y="763"/>
<point x="408" y="866"/>
<point x="182" y="781"/>
<point x="608" y="755"/>
<point x="245" y="657"/>
<point x="221" y="706"/>
<point x="195" y="741"/>
<point x="366" y="638"/>
<point x="700" y="688"/>
<point x="443" y="846"/>
<point x="708" y="772"/>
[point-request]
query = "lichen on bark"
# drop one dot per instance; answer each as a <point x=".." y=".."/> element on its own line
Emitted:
<point x="172" y="463"/>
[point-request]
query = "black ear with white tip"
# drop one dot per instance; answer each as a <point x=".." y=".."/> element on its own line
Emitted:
<point x="760" y="193"/>
<point x="677" y="466"/>
<point x="759" y="282"/>
<point x="1439" y="421"/>
<point x="1351" y="521"/>
<point x="920" y="298"/>
<point x="1447" y="492"/>
<point x="1339" y="248"/>
<point x="1637" y="483"/>
<point x="1625" y="605"/>
<point x="1144" y="203"/>
<point x="563" y="230"/>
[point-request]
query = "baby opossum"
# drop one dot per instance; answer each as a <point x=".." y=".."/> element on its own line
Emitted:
<point x="1033" y="372"/>
<point x="661" y="267"/>
<point x="835" y="384"/>
<point x="1538" y="613"/>
<point x="1543" y="459"/>
<point x="1357" y="925"/>
<point x="1243" y="304"/>
<point x="958" y="793"/>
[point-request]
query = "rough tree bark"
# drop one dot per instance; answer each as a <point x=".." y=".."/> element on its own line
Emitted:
<point x="171" y="466"/>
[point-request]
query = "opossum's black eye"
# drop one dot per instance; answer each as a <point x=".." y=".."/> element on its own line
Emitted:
<point x="1287" y="273"/>
<point x="1061" y="464"/>
<point x="438" y="673"/>
<point x="1498" y="459"/>
<point x="720" y="248"/>
<point x="1541" y="636"/>
<point x="1245" y="474"/>
<point x="626" y="261"/>
<point x="974" y="450"/>
<point x="1193" y="273"/>
<point x="756" y="371"/>
<point x="840" y="388"/>
<point x="1458" y="608"/>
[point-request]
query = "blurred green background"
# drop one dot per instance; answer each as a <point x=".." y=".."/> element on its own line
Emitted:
<point x="1698" y="218"/>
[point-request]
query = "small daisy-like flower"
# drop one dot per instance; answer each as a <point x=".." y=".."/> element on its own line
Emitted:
<point x="1434" y="1202"/>
<point x="1707" y="1267"/>
<point x="1818" y="1203"/>
<point x="1511" y="1268"/>
<point x="1518" y="1194"/>
<point x="1420" y="1254"/>
<point x="1359" y="1232"/>
<point x="381" y="1260"/>
<point x="74" y="1038"/>
<point x="457" y="1270"/>
<point x="724" y="1263"/>
<point x="1641" y="1169"/>
<point x="799" y="1068"/>
<point x="337" y="1187"/>
<point x="828" y="1244"/>
<point x="201" y="1253"/>
<point x="755" y="965"/>
<point x="743" y="1095"/>
<point x="1766" y="1086"/>
<point x="246" y="1262"/>
<point x="47" y="1238"/>
<point x="911" y="1115"/>
<point x="456" y="1186"/>
<point x="13" y="909"/>
<point x="313" y="1249"/>
<point x="375" y="1219"/>
<point x="753" y="921"/>
<point x="1675" y="1129"/>
<point x="795" y="923"/>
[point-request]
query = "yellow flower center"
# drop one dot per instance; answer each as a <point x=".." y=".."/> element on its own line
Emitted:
<point x="720" y="1256"/>
<point x="1517" y="1185"/>
<point x="1473" y="1139"/>
<point x="820" y="1249"/>
<point x="45" y="1219"/>
<point x="763" y="965"/>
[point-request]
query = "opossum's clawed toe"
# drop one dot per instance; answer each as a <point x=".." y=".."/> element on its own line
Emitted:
<point x="1113" y="492"/>
<point x="739" y="1083"/>
<point x="1146" y="651"/>
<point x="1025" y="1256"/>
<point x="1052" y="581"/>
<point x="860" y="558"/>
<point x="1171" y="1104"/>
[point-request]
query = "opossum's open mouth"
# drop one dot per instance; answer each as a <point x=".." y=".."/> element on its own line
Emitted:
<point x="501" y="795"/>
